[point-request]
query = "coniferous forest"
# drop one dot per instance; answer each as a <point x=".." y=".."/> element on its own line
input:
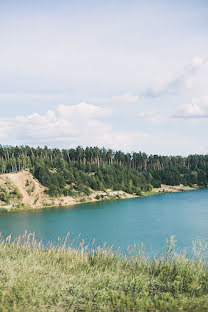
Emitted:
<point x="64" y="171"/>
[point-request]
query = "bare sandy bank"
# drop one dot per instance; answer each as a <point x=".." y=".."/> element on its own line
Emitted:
<point x="32" y="195"/>
<point x="174" y="188"/>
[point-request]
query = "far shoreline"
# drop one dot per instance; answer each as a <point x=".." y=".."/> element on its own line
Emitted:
<point x="118" y="195"/>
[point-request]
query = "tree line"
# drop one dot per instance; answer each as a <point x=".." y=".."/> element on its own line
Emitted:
<point x="68" y="170"/>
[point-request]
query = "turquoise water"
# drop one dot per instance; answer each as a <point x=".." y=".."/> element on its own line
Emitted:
<point x="150" y="220"/>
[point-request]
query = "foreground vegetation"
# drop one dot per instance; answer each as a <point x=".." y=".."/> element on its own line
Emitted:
<point x="63" y="279"/>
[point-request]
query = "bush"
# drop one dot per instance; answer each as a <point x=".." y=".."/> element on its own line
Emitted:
<point x="4" y="196"/>
<point x="17" y="193"/>
<point x="156" y="183"/>
<point x="147" y="187"/>
<point x="138" y="191"/>
<point x="53" y="191"/>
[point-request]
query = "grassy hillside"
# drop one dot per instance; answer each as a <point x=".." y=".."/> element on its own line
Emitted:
<point x="34" y="279"/>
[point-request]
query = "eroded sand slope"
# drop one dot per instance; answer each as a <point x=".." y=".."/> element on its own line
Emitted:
<point x="33" y="193"/>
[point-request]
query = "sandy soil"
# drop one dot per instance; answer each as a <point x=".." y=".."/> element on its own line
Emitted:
<point x="34" y="195"/>
<point x="173" y="189"/>
<point x="31" y="190"/>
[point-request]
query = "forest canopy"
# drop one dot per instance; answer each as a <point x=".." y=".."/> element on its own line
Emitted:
<point x="66" y="171"/>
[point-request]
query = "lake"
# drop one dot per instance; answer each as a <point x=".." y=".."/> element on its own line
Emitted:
<point x="150" y="220"/>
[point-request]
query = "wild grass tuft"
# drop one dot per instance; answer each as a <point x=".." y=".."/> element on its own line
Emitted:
<point x="61" y="278"/>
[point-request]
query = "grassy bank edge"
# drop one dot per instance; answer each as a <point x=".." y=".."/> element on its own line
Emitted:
<point x="33" y="278"/>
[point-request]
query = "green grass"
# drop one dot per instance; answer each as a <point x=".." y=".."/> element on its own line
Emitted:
<point x="64" y="279"/>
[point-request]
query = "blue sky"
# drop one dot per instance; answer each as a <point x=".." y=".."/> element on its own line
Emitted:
<point x="129" y="75"/>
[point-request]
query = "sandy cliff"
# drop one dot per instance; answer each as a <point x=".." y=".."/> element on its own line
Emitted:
<point x="32" y="194"/>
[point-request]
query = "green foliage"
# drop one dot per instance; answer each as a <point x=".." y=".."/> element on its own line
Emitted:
<point x="138" y="191"/>
<point x="36" y="199"/>
<point x="147" y="188"/>
<point x="8" y="196"/>
<point x="33" y="278"/>
<point x="22" y="206"/>
<point x="201" y="178"/>
<point x="69" y="171"/>
<point x="17" y="193"/>
<point x="4" y="196"/>
<point x="82" y="200"/>
<point x="69" y="192"/>
<point x="27" y="183"/>
<point x="87" y="176"/>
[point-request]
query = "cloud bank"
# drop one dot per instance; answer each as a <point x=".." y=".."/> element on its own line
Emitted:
<point x="178" y="82"/>
<point x="130" y="67"/>
<point x="68" y="126"/>
<point x="198" y="109"/>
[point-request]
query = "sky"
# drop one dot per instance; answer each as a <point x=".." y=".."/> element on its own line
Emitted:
<point x="127" y="75"/>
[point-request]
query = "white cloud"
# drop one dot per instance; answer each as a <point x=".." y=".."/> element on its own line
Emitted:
<point x="59" y="50"/>
<point x="125" y="98"/>
<point x="6" y="125"/>
<point x="153" y="117"/>
<point x="178" y="82"/>
<point x="66" y="123"/>
<point x="68" y="126"/>
<point x="70" y="54"/>
<point x="196" y="110"/>
<point x="125" y="141"/>
<point x="83" y="109"/>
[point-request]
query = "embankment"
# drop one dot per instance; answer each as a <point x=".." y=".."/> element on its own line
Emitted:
<point x="23" y="191"/>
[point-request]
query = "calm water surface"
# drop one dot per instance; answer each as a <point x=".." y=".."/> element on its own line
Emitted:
<point x="120" y="223"/>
